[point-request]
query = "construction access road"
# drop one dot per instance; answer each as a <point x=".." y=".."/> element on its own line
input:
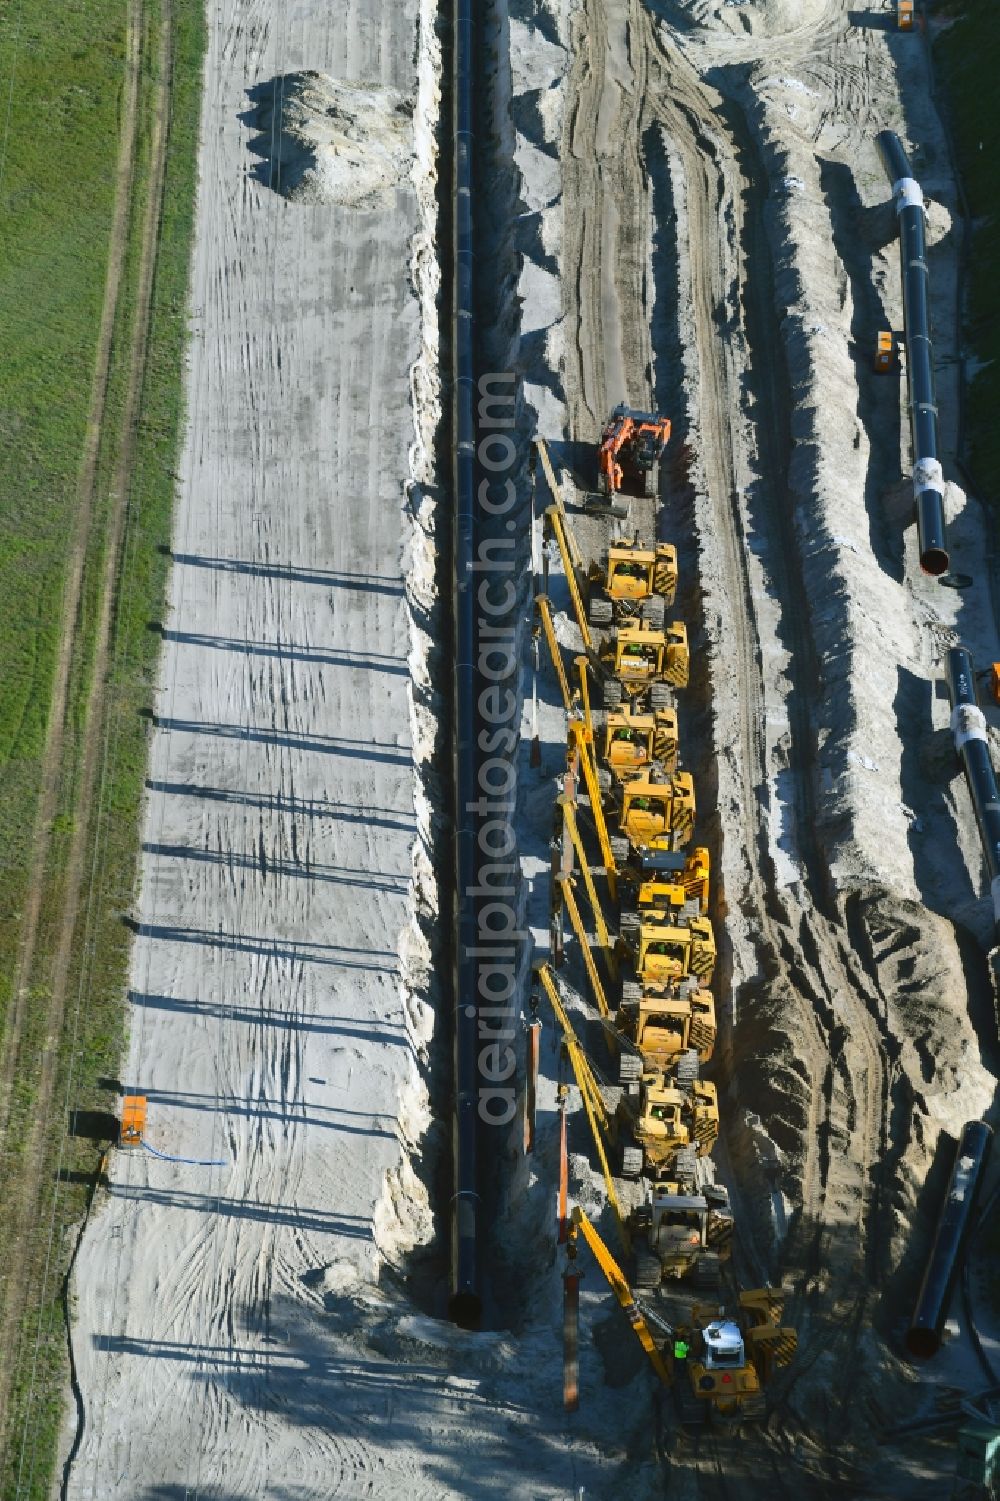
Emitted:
<point x="269" y="1023"/>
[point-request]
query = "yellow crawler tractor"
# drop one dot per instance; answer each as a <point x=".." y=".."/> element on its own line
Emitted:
<point x="664" y="952"/>
<point x="628" y="741"/>
<point x="661" y="1025"/>
<point x="637" y="582"/>
<point x="678" y="885"/>
<point x="682" y="1230"/>
<point x="671" y="1128"/>
<point x="719" y="1365"/>
<point x="655" y="817"/>
<point x="731" y="1360"/>
<point x="637" y="659"/>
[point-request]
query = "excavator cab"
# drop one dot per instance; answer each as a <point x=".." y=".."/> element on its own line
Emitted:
<point x="678" y="1235"/>
<point x="662" y="897"/>
<point x="659" y="1024"/>
<point x="665" y="1026"/>
<point x="724" y="1349"/>
<point x="632" y="444"/>
<point x="661" y="1129"/>
<point x="632" y="581"/>
<point x="671" y="1119"/>
<point x="651" y="817"/>
<point x="676" y="884"/>
<point x="638" y="656"/>
<point x="688" y="893"/>
<point x="627" y="749"/>
<point x="640" y="659"/>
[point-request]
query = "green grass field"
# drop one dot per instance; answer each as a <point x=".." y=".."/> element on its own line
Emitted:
<point x="967" y="59"/>
<point x="63" y="64"/>
<point x="65" y="60"/>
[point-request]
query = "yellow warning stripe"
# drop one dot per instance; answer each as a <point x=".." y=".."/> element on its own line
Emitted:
<point x="702" y="1036"/>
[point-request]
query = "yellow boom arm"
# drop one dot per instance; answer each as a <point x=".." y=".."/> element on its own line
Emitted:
<point x="593" y="1103"/>
<point x="622" y="1291"/>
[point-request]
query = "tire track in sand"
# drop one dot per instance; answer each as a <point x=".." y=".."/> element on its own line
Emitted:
<point x="797" y="933"/>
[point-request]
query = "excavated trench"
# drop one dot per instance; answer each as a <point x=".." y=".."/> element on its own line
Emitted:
<point x="504" y="233"/>
<point x="842" y="990"/>
<point x="842" y="999"/>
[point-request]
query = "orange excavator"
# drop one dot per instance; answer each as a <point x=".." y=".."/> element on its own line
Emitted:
<point x="632" y="444"/>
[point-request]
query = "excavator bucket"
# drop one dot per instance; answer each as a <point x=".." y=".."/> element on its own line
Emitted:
<point x="602" y="505"/>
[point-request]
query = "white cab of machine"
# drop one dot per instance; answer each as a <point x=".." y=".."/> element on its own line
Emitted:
<point x="723" y="1346"/>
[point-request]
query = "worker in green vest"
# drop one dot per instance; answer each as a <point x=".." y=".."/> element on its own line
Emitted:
<point x="681" y="1348"/>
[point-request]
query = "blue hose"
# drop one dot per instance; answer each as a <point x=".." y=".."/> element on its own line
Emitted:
<point x="188" y="1161"/>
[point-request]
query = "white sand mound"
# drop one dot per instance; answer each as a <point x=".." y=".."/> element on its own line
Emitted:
<point x="336" y="142"/>
<point x="768" y="18"/>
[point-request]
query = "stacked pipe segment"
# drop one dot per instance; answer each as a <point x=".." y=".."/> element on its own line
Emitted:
<point x="928" y="476"/>
<point x="923" y="1337"/>
<point x="968" y="726"/>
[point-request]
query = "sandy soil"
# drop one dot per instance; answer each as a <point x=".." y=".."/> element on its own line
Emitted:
<point x="243" y="1324"/>
<point x="277" y="1026"/>
<point x="726" y="253"/>
<point x="686" y="211"/>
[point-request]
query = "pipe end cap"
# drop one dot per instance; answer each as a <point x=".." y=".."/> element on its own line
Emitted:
<point x="934" y="561"/>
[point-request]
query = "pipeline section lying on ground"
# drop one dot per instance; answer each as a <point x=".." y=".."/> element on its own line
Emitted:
<point x="923" y="1337"/>
<point x="466" y="1298"/>
<point x="968" y="727"/>
<point x="928" y="477"/>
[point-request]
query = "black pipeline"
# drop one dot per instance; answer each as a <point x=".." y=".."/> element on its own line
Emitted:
<point x="968" y="726"/>
<point x="466" y="1298"/>
<point x="928" y="476"/>
<point x="923" y="1338"/>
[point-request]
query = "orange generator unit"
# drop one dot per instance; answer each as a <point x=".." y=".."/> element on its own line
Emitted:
<point x="133" y="1123"/>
